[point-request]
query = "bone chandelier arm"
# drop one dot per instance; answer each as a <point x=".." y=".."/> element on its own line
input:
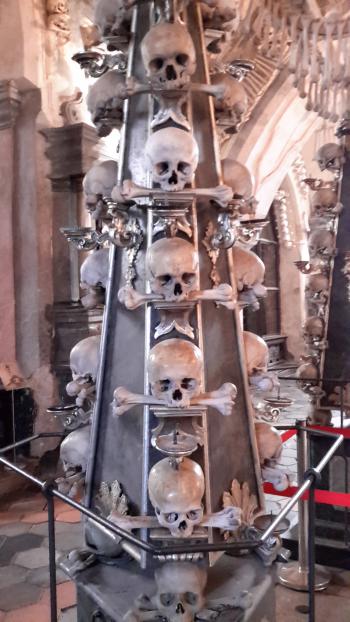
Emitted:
<point x="129" y="191"/>
<point x="133" y="87"/>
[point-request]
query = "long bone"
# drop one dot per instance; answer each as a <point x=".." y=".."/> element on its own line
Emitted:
<point x="228" y="519"/>
<point x="305" y="56"/>
<point x="222" y="295"/>
<point x="221" y="399"/>
<point x="129" y="191"/>
<point x="314" y="66"/>
<point x="337" y="69"/>
<point x="327" y="70"/>
<point x="294" y="48"/>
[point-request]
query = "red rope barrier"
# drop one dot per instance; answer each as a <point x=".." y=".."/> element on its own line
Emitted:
<point x="326" y="497"/>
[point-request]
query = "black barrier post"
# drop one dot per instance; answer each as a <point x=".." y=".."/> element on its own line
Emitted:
<point x="52" y="551"/>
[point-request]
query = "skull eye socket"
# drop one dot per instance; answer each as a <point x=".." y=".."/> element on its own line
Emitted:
<point x="162" y="168"/>
<point x="184" y="167"/>
<point x="190" y="598"/>
<point x="167" y="599"/>
<point x="156" y="64"/>
<point x="171" y="518"/>
<point x="188" y="383"/>
<point x="188" y="277"/>
<point x="165" y="278"/>
<point x="182" y="59"/>
<point x="164" y="385"/>
<point x="194" y="514"/>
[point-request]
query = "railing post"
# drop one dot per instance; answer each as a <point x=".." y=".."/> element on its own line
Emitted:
<point x="52" y="551"/>
<point x="295" y="575"/>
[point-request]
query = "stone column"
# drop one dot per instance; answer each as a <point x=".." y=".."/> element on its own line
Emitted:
<point x="71" y="151"/>
<point x="10" y="101"/>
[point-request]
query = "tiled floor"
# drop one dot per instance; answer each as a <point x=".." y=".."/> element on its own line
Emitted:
<point x="24" y="558"/>
<point x="24" y="574"/>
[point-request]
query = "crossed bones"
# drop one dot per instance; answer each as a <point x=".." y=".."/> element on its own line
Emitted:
<point x="223" y="400"/>
<point x="222" y="295"/>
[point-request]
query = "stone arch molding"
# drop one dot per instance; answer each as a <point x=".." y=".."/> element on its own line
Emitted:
<point x="271" y="140"/>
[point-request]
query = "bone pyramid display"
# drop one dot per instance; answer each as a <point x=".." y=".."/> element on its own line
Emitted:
<point x="172" y="427"/>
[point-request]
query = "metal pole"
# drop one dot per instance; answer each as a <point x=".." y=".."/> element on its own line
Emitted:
<point x="52" y="554"/>
<point x="295" y="575"/>
<point x="311" y="552"/>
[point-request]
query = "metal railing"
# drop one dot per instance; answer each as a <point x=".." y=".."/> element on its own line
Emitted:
<point x="312" y="477"/>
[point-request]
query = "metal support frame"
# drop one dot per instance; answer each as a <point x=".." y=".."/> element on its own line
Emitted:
<point x="312" y="476"/>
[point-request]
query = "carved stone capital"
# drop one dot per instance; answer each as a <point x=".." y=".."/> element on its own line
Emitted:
<point x="71" y="151"/>
<point x="10" y="101"/>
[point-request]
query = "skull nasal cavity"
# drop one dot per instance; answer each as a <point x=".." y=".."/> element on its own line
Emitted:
<point x="180" y="609"/>
<point x="183" y="525"/>
<point x="173" y="178"/>
<point x="177" y="289"/>
<point x="170" y="73"/>
<point x="177" y="395"/>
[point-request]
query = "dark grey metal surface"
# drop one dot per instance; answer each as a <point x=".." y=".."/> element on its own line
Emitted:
<point x="117" y="451"/>
<point x="232" y="452"/>
<point x="113" y="589"/>
<point x="337" y="355"/>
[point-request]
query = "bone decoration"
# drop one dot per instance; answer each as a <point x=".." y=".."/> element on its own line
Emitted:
<point x="129" y="191"/>
<point x="99" y="182"/>
<point x="330" y="157"/>
<point x="249" y="273"/>
<point x="94" y="277"/>
<point x="74" y="454"/>
<point x="112" y="17"/>
<point x="105" y="102"/>
<point x="232" y="105"/>
<point x="171" y="156"/>
<point x="175" y="368"/>
<point x="84" y="361"/>
<point x="168" y="55"/>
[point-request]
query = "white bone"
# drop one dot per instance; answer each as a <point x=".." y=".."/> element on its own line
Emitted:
<point x="171" y="267"/>
<point x="133" y="299"/>
<point x="124" y="400"/>
<point x="222" y="295"/>
<point x="276" y="476"/>
<point x="128" y="191"/>
<point x="228" y="519"/>
<point x="293" y="52"/>
<point x="223" y="399"/>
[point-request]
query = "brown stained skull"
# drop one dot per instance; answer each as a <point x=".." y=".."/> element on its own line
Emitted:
<point x="176" y="492"/>
<point x="234" y="100"/>
<point x="314" y="327"/>
<point x="175" y="372"/>
<point x="180" y="587"/>
<point x="321" y="243"/>
<point x="172" y="265"/>
<point x="324" y="200"/>
<point x="172" y="158"/>
<point x="168" y="55"/>
<point x="330" y="157"/>
<point x="236" y="176"/>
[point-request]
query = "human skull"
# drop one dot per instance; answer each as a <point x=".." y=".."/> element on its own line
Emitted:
<point x="248" y="268"/>
<point x="307" y="371"/>
<point x="168" y="55"/>
<point x="324" y="200"/>
<point x="321" y="243"/>
<point x="257" y="353"/>
<point x="111" y="16"/>
<point x="330" y="157"/>
<point x="314" y="327"/>
<point x="172" y="158"/>
<point x="234" y="100"/>
<point x="57" y="6"/>
<point x="94" y="277"/>
<point x="176" y="492"/>
<point x="237" y="176"/>
<point x="317" y="284"/>
<point x="221" y="14"/>
<point x="99" y="182"/>
<point x="74" y="451"/>
<point x="172" y="265"/>
<point x="269" y="443"/>
<point x="105" y="102"/>
<point x="180" y="587"/>
<point x="84" y="362"/>
<point x="175" y="371"/>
